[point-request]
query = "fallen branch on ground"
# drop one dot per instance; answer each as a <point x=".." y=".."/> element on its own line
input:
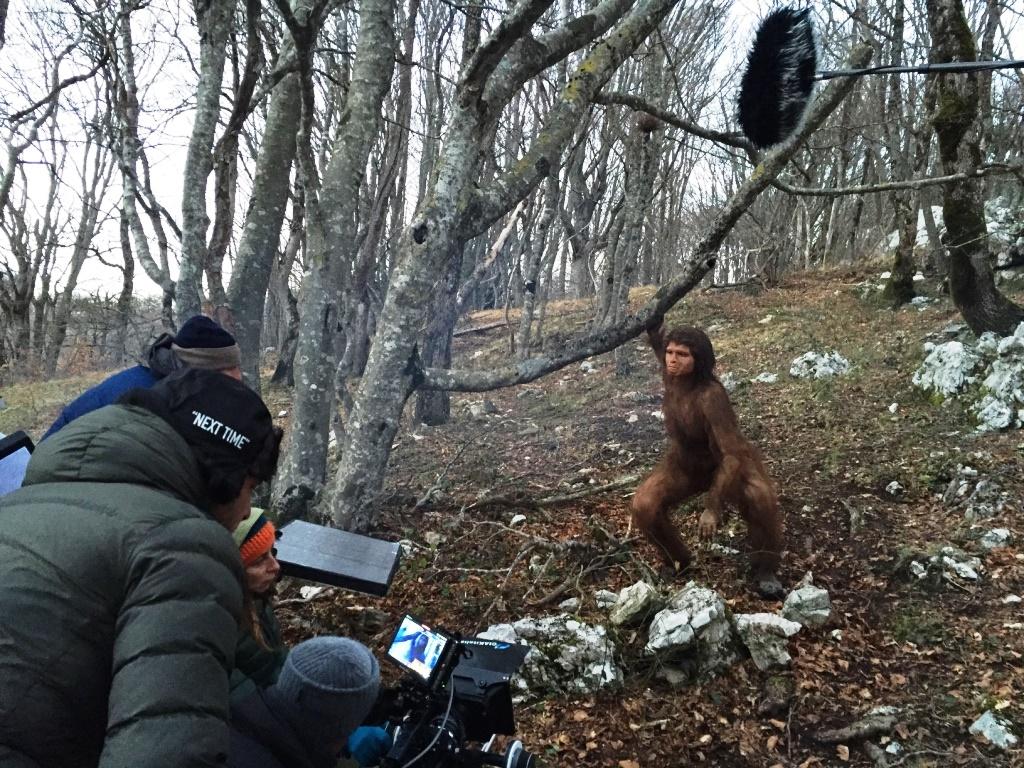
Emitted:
<point x="547" y="501"/>
<point x="478" y="329"/>
<point x="865" y="728"/>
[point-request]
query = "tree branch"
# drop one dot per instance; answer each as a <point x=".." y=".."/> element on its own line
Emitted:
<point x="490" y="52"/>
<point x="543" y="156"/>
<point x="640" y="105"/>
<point x="700" y="263"/>
<point x="530" y="56"/>
<point x="889" y="186"/>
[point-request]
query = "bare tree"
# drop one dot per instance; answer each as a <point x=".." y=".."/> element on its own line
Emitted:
<point x="330" y="237"/>
<point x="971" y="280"/>
<point x="213" y="18"/>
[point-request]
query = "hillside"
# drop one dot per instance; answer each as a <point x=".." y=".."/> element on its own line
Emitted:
<point x="941" y="652"/>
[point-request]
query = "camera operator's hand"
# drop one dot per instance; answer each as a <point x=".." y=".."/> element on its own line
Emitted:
<point x="368" y="744"/>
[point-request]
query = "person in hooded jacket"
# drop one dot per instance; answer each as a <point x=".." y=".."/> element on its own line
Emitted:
<point x="120" y="584"/>
<point x="199" y="343"/>
<point x="326" y="688"/>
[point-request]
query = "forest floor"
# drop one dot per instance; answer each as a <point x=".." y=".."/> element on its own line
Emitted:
<point x="941" y="655"/>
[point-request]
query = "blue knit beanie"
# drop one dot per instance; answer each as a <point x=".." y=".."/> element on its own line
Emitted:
<point x="326" y="688"/>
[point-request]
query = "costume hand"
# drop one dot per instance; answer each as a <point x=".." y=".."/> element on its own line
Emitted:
<point x="707" y="526"/>
<point x="368" y="744"/>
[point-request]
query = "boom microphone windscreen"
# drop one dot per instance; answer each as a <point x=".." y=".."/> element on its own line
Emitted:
<point x="779" y="78"/>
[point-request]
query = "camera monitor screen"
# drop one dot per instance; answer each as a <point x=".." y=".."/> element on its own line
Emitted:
<point x="418" y="648"/>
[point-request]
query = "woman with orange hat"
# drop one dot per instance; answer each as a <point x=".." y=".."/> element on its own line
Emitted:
<point x="260" y="652"/>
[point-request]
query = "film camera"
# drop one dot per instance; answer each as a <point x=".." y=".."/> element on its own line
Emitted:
<point x="455" y="691"/>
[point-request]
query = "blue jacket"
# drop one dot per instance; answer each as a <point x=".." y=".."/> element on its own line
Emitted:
<point x="104" y="393"/>
<point x="160" y="361"/>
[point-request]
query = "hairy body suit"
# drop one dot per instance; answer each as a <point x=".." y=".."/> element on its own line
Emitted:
<point x="707" y="454"/>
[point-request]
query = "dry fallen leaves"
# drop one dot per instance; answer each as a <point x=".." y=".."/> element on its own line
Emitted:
<point x="844" y="752"/>
<point x="628" y="764"/>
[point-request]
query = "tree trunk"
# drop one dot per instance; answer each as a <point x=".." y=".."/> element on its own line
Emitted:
<point x="124" y="298"/>
<point x="900" y="288"/>
<point x="261" y="232"/>
<point x="639" y="191"/>
<point x="434" y="407"/>
<point x="129" y="150"/>
<point x="971" y="279"/>
<point x="304" y="465"/>
<point x="531" y="282"/>
<point x="214" y="18"/>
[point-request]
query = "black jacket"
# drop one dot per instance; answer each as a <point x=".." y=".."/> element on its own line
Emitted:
<point x="119" y="602"/>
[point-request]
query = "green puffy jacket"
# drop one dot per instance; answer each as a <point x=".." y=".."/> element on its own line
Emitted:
<point x="119" y="602"/>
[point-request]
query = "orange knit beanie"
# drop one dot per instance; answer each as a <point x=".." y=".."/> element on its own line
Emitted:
<point x="255" y="537"/>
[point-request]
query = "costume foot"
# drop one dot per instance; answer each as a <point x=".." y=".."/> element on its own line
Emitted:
<point x="768" y="586"/>
<point x="673" y="571"/>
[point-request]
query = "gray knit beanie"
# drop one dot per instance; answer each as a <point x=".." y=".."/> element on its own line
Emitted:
<point x="326" y="688"/>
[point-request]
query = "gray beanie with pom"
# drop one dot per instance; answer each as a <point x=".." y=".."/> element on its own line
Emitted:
<point x="327" y="687"/>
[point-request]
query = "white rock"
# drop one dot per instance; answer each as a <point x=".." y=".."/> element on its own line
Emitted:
<point x="894" y="488"/>
<point x="504" y="633"/>
<point x="721" y="549"/>
<point x="993" y="414"/>
<point x="517" y="519"/>
<point x="1009" y="346"/>
<point x="960" y="563"/>
<point x="947" y="368"/>
<point x="632" y="418"/>
<point x="481" y="409"/>
<point x="837" y="635"/>
<point x="918" y="277"/>
<point x="659" y="415"/>
<point x="766" y="378"/>
<point x="634" y="604"/>
<point x="587" y="367"/>
<point x="988" y="344"/>
<point x="571" y="605"/>
<point x="1012" y="600"/>
<point x="433" y="538"/>
<point x="819" y="365"/>
<point x="894" y="748"/>
<point x="695" y="626"/>
<point x="605" y="598"/>
<point x="766" y="319"/>
<point x="566" y="656"/>
<point x="809" y="605"/>
<point x="309" y="592"/>
<point x="408" y="547"/>
<point x="885" y="275"/>
<point x="729" y="381"/>
<point x="765" y="636"/>
<point x="893" y="408"/>
<point x="994" y="729"/>
<point x="996" y="538"/>
<point x="282" y="414"/>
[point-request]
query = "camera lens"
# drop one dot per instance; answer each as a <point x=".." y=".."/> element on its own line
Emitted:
<point x="517" y="757"/>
